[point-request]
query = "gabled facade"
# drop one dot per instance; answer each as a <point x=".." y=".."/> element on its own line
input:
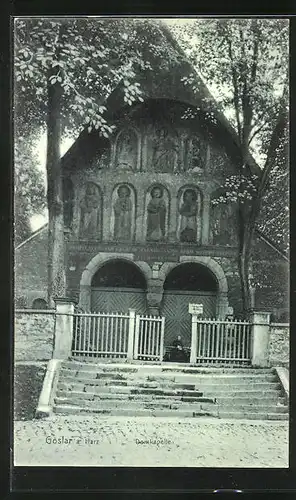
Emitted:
<point x="141" y="229"/>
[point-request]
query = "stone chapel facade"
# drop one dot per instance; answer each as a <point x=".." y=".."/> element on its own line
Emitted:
<point x="142" y="229"/>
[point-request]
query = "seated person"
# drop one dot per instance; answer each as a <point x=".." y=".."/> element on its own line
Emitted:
<point x="178" y="352"/>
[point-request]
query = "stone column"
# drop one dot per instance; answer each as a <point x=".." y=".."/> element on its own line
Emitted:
<point x="85" y="297"/>
<point x="260" y="338"/>
<point x="154" y="296"/>
<point x="205" y="219"/>
<point x="222" y="305"/>
<point x="63" y="334"/>
<point x="173" y="217"/>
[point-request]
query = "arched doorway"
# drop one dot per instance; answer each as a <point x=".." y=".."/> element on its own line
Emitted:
<point x="118" y="286"/>
<point x="187" y="283"/>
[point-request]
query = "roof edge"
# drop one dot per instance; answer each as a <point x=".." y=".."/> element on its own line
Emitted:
<point x="272" y="245"/>
<point x="33" y="235"/>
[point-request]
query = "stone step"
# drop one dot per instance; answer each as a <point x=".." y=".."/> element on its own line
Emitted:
<point x="253" y="416"/>
<point x="162" y="403"/>
<point x="75" y="410"/>
<point x="132" y="412"/>
<point x="90" y="396"/>
<point x="264" y="400"/>
<point x="209" y="391"/>
<point x="179" y="378"/>
<point x="97" y="403"/>
<point x="132" y="397"/>
<point x="114" y="365"/>
<point x="226" y="400"/>
<point x="250" y="393"/>
<point x="205" y="384"/>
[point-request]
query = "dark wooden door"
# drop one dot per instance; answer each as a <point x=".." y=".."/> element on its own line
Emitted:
<point x="177" y="317"/>
<point x="107" y="299"/>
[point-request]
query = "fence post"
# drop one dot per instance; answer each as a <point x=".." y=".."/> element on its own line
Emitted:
<point x="137" y="333"/>
<point x="161" y="339"/>
<point x="260" y="338"/>
<point x="63" y="334"/>
<point x="131" y="333"/>
<point x="193" y="349"/>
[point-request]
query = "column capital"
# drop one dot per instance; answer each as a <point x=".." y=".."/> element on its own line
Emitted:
<point x="260" y="317"/>
<point x="65" y="300"/>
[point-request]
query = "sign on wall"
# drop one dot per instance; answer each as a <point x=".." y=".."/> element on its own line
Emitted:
<point x="195" y="309"/>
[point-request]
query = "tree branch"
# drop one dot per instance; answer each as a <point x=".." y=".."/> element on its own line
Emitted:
<point x="276" y="138"/>
<point x="256" y="132"/>
<point x="235" y="88"/>
<point x="255" y="52"/>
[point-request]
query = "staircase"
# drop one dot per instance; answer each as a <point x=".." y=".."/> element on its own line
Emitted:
<point x="114" y="388"/>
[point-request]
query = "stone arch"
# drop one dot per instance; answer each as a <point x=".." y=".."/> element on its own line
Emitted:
<point x="208" y="262"/>
<point x="214" y="267"/>
<point x="39" y="303"/>
<point x="96" y="263"/>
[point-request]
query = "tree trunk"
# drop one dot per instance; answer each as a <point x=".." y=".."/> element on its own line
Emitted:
<point x="56" y="270"/>
<point x="244" y="268"/>
<point x="248" y="217"/>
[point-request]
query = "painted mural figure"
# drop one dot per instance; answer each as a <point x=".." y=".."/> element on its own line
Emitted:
<point x="156" y="215"/>
<point x="165" y="150"/>
<point x="188" y="211"/>
<point x="126" y="151"/>
<point x="90" y="212"/>
<point x="123" y="214"/>
<point x="223" y="225"/>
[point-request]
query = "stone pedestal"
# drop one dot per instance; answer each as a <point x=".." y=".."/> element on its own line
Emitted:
<point x="260" y="337"/>
<point x="63" y="334"/>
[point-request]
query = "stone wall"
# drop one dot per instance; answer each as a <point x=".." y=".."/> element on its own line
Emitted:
<point x="279" y="347"/>
<point x="33" y="336"/>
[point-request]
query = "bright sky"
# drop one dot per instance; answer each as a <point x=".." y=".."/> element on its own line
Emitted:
<point x="39" y="220"/>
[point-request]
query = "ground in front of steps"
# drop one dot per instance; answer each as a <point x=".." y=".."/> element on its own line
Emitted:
<point x="150" y="442"/>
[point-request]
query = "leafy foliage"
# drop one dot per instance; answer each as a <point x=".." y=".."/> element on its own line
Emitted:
<point x="29" y="188"/>
<point x="64" y="71"/>
<point x="88" y="58"/>
<point x="245" y="63"/>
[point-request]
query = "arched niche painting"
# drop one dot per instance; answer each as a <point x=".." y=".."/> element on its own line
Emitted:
<point x="91" y="212"/>
<point x="68" y="200"/>
<point x="223" y="222"/>
<point x="196" y="151"/>
<point x="163" y="149"/>
<point x="156" y="213"/>
<point x="189" y="215"/>
<point x="123" y="213"/>
<point x="101" y="160"/>
<point x="126" y="150"/>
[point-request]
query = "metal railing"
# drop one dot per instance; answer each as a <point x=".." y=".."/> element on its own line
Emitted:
<point x="101" y="334"/>
<point x="118" y="335"/>
<point x="149" y="338"/>
<point x="215" y="340"/>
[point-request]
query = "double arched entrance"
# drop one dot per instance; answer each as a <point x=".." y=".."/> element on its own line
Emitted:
<point x="185" y="284"/>
<point x="118" y="285"/>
